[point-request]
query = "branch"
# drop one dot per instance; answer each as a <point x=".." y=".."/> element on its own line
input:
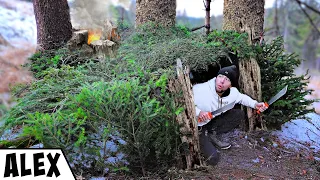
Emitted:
<point x="204" y="4"/>
<point x="194" y="29"/>
<point x="304" y="11"/>
<point x="308" y="6"/>
<point x="19" y="142"/>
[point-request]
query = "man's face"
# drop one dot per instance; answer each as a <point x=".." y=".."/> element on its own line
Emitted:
<point x="222" y="83"/>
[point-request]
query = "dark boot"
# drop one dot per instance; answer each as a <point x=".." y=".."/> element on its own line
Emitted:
<point x="219" y="144"/>
<point x="222" y="124"/>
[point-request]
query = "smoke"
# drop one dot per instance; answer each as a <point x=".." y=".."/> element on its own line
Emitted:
<point x="91" y="14"/>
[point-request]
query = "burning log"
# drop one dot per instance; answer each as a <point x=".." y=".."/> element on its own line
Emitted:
<point x="114" y="36"/>
<point x="94" y="35"/>
<point x="110" y="32"/>
<point x="100" y="41"/>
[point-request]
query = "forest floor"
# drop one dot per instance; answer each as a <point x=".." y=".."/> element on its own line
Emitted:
<point x="254" y="156"/>
<point x="257" y="156"/>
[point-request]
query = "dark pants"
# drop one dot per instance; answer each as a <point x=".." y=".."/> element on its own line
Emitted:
<point x="225" y="122"/>
<point x="221" y="124"/>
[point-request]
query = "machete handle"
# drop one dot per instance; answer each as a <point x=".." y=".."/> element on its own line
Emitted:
<point x="209" y="114"/>
<point x="266" y="104"/>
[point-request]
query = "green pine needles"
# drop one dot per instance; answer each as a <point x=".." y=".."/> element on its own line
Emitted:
<point x="277" y="71"/>
<point x="155" y="47"/>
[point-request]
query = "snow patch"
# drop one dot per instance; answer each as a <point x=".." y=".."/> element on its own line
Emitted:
<point x="301" y="133"/>
<point x="16" y="24"/>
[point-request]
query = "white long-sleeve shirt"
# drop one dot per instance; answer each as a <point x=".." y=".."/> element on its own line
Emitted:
<point x="206" y="98"/>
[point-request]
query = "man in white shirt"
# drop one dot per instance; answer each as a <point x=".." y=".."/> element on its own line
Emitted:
<point x="214" y="94"/>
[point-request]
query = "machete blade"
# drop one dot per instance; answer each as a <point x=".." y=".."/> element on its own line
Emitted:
<point x="278" y="95"/>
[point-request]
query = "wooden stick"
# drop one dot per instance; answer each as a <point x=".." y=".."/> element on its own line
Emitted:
<point x="194" y="29"/>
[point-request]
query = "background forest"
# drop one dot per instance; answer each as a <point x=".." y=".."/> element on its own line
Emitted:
<point x="285" y="18"/>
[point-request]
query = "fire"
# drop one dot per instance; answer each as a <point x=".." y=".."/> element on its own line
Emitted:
<point x="94" y="35"/>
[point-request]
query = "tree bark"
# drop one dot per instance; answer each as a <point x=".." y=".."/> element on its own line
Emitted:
<point x="53" y="23"/>
<point x="207" y="23"/>
<point x="247" y="16"/>
<point x="187" y="118"/>
<point x="161" y="12"/>
<point x="276" y="19"/>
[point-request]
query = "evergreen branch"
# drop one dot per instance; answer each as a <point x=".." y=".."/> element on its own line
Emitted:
<point x="204" y="4"/>
<point x="109" y="121"/>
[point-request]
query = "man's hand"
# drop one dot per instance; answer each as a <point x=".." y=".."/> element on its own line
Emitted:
<point x="203" y="116"/>
<point x="261" y="106"/>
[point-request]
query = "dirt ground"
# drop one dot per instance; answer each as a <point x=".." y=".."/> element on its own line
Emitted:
<point x="257" y="156"/>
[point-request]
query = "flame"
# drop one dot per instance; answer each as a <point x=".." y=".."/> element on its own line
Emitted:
<point x="94" y="35"/>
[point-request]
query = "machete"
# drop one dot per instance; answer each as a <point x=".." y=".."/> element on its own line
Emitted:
<point x="276" y="97"/>
<point x="220" y="110"/>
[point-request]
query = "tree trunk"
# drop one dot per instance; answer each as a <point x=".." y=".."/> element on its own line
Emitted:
<point x="247" y="16"/>
<point x="53" y="23"/>
<point x="286" y="26"/>
<point x="310" y="47"/>
<point x="207" y="23"/>
<point x="161" y="12"/>
<point x="276" y="19"/>
<point x="187" y="118"/>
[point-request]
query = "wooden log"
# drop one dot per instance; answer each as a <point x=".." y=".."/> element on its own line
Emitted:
<point x="186" y="119"/>
<point x="78" y="38"/>
<point x="86" y="50"/>
<point x="113" y="35"/>
<point x="109" y="32"/>
<point x="104" y="48"/>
